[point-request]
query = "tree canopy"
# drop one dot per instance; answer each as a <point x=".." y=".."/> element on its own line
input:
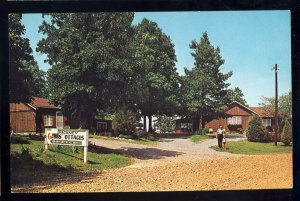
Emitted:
<point x="155" y="79"/>
<point x="19" y="52"/>
<point x="90" y="57"/>
<point x="284" y="107"/>
<point x="204" y="87"/>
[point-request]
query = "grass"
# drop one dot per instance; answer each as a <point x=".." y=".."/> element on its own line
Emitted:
<point x="133" y="141"/>
<point x="254" y="148"/>
<point x="31" y="159"/>
<point x="199" y="138"/>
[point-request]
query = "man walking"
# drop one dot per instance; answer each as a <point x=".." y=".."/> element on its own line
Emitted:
<point x="220" y="136"/>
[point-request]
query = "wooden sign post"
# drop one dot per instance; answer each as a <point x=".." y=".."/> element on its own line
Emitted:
<point x="73" y="137"/>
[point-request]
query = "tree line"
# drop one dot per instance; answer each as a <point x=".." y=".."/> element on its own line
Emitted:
<point x="103" y="63"/>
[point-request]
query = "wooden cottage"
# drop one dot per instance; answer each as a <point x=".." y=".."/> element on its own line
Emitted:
<point x="102" y="125"/>
<point x="34" y="117"/>
<point x="237" y="118"/>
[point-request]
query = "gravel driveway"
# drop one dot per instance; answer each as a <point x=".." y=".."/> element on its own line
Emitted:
<point x="169" y="150"/>
<point x="177" y="164"/>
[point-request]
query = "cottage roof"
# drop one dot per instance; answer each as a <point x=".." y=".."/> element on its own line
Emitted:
<point x="245" y="107"/>
<point x="38" y="102"/>
<point x="261" y="112"/>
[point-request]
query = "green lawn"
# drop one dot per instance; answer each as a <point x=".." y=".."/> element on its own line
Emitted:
<point x="199" y="138"/>
<point x="29" y="159"/>
<point x="246" y="147"/>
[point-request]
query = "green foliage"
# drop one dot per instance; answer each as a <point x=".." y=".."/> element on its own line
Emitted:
<point x="237" y="95"/>
<point x="16" y="139"/>
<point x="246" y="147"/>
<point x="52" y="161"/>
<point x="155" y="80"/>
<point x="142" y="134"/>
<point x="125" y="122"/>
<point x="204" y="87"/>
<point x="91" y="58"/>
<point x="19" y="51"/>
<point x="202" y="131"/>
<point x="164" y="123"/>
<point x="240" y="130"/>
<point x="284" y="108"/>
<point x="287" y="133"/>
<point x="256" y="131"/>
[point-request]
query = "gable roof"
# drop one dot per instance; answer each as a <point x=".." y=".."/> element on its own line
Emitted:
<point x="245" y="107"/>
<point x="38" y="102"/>
<point x="256" y="110"/>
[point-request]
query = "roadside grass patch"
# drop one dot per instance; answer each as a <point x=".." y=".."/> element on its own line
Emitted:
<point x="199" y="138"/>
<point x="254" y="148"/>
<point x="31" y="162"/>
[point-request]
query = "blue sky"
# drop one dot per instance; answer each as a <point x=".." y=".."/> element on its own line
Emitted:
<point x="251" y="42"/>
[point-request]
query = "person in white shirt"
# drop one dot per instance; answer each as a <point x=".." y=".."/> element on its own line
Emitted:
<point x="220" y="135"/>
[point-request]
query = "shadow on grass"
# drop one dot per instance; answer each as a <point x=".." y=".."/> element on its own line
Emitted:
<point x="140" y="153"/>
<point x="27" y="171"/>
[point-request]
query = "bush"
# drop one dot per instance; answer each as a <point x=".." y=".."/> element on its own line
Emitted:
<point x="14" y="139"/>
<point x="142" y="134"/>
<point x="256" y="131"/>
<point x="125" y="122"/>
<point x="287" y="134"/>
<point x="240" y="130"/>
<point x="202" y="131"/>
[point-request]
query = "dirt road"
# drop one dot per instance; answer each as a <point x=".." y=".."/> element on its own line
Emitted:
<point x="178" y="165"/>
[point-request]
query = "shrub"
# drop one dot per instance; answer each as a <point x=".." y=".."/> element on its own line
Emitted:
<point x="164" y="124"/>
<point x="125" y="122"/>
<point x="256" y="131"/>
<point x="142" y="134"/>
<point x="287" y="134"/>
<point x="202" y="131"/>
<point x="240" y="130"/>
<point x="14" y="139"/>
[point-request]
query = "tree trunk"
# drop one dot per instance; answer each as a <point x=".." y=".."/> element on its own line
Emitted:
<point x="200" y="122"/>
<point x="150" y="124"/>
<point x="145" y="124"/>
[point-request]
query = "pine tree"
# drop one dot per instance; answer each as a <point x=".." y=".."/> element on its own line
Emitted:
<point x="256" y="131"/>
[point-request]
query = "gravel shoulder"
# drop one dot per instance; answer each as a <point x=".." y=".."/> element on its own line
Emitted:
<point x="177" y="164"/>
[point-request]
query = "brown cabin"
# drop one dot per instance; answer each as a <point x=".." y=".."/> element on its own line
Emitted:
<point x="34" y="117"/>
<point x="237" y="118"/>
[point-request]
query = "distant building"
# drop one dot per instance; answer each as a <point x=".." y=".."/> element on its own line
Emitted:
<point x="34" y="117"/>
<point x="237" y="117"/>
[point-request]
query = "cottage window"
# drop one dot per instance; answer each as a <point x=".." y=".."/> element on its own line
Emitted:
<point x="183" y="125"/>
<point x="101" y="126"/>
<point x="59" y="120"/>
<point x="234" y="120"/>
<point x="266" y="122"/>
<point x="48" y="120"/>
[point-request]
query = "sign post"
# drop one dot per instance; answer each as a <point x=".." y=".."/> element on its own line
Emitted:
<point x="73" y="137"/>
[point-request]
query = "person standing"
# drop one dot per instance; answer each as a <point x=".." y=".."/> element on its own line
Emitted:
<point x="219" y="136"/>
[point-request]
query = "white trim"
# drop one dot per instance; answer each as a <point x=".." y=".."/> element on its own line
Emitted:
<point x="31" y="106"/>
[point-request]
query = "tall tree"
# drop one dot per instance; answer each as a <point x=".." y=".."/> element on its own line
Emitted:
<point x="19" y="52"/>
<point x="236" y="94"/>
<point x="91" y="61"/>
<point x="38" y="83"/>
<point x="155" y="78"/>
<point x="204" y="86"/>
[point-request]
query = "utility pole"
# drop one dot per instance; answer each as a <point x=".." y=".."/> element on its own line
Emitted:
<point x="275" y="68"/>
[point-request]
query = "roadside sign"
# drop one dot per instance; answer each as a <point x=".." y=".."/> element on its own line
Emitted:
<point x="73" y="137"/>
